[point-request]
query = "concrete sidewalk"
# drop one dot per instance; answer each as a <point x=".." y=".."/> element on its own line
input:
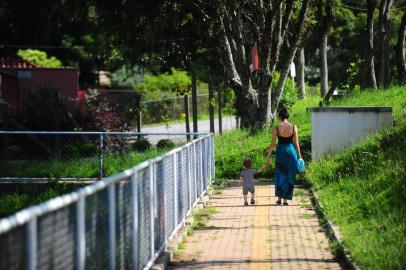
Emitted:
<point x="264" y="236"/>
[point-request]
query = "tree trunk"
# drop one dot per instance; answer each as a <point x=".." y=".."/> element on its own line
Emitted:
<point x="384" y="28"/>
<point x="369" y="55"/>
<point x="300" y="76"/>
<point x="323" y="65"/>
<point x="401" y="51"/>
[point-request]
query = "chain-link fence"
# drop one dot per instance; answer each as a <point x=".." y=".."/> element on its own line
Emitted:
<point x="37" y="154"/>
<point x="123" y="222"/>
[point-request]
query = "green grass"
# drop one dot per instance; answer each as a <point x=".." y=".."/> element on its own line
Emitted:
<point x="12" y="203"/>
<point x="81" y="168"/>
<point x="363" y="189"/>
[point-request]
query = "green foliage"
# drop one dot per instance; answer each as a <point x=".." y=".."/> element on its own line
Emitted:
<point x="165" y="144"/>
<point x="12" y="203"/>
<point x="128" y="77"/>
<point x="156" y="86"/>
<point x="142" y="145"/>
<point x="350" y="76"/>
<point x="77" y="167"/>
<point x="289" y="96"/>
<point x="39" y="58"/>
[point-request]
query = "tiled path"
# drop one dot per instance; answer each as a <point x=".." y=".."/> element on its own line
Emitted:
<point x="264" y="236"/>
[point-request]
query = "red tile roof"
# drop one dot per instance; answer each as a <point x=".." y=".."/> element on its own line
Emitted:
<point x="15" y="62"/>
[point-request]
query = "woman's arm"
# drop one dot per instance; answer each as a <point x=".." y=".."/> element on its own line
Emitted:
<point x="296" y="142"/>
<point x="272" y="146"/>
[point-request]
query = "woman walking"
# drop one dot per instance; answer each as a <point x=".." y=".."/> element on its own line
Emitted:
<point x="287" y="153"/>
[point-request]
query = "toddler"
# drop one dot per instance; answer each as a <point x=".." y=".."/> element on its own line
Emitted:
<point x="247" y="180"/>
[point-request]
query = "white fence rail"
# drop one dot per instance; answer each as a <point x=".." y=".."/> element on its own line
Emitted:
<point x="122" y="222"/>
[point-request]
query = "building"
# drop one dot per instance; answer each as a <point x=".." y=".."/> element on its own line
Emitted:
<point x="18" y="76"/>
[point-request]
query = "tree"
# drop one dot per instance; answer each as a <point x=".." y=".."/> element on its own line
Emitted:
<point x="384" y="39"/>
<point x="401" y="51"/>
<point x="300" y="76"/>
<point x="369" y="62"/>
<point x="326" y="20"/>
<point x="39" y="58"/>
<point x="274" y="27"/>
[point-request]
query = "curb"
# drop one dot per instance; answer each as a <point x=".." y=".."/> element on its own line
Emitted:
<point x="164" y="259"/>
<point x="333" y="233"/>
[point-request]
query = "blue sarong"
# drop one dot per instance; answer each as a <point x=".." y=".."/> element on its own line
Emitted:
<point x="285" y="170"/>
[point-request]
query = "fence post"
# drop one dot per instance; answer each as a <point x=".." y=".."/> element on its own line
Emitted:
<point x="175" y="189"/>
<point x="101" y="138"/>
<point x="112" y="226"/>
<point x="195" y="173"/>
<point x="81" y="239"/>
<point x="220" y="111"/>
<point x="186" y="104"/>
<point x="32" y="244"/>
<point x="213" y="164"/>
<point x="201" y="165"/>
<point x="134" y="188"/>
<point x="188" y="175"/>
<point x="151" y="208"/>
<point x="211" y="107"/>
<point x="194" y="104"/>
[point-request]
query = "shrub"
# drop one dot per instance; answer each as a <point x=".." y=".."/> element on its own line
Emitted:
<point x="88" y="150"/>
<point x="165" y="143"/>
<point x="142" y="145"/>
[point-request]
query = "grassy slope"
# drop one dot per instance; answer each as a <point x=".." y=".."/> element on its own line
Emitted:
<point x="363" y="189"/>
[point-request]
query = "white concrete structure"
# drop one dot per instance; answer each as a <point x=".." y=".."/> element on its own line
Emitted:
<point x="336" y="128"/>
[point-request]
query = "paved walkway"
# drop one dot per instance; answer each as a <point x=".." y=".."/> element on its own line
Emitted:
<point x="264" y="236"/>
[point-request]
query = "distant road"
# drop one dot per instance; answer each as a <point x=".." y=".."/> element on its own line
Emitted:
<point x="203" y="126"/>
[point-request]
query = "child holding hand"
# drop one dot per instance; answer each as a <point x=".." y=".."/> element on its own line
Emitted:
<point x="247" y="180"/>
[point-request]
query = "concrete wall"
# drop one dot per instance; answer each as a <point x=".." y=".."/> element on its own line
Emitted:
<point x="336" y="128"/>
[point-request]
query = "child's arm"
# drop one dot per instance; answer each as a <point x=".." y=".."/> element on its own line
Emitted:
<point x="240" y="181"/>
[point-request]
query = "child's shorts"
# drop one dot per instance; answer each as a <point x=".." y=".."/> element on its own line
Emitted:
<point x="250" y="189"/>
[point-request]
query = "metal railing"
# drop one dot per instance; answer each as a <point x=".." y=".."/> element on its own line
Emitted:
<point x="24" y="154"/>
<point x="122" y="222"/>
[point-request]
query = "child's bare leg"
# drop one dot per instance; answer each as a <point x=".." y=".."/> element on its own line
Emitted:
<point x="253" y="196"/>
<point x="245" y="197"/>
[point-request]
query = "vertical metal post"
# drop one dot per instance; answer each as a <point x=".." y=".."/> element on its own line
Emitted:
<point x="134" y="240"/>
<point x="112" y="226"/>
<point x="189" y="177"/>
<point x="186" y="104"/>
<point x="101" y="138"/>
<point x="211" y="107"/>
<point x="175" y="189"/>
<point x="213" y="168"/>
<point x="201" y="165"/>
<point x="81" y="239"/>
<point x="220" y="111"/>
<point x="151" y="208"/>
<point x="139" y="116"/>
<point x="165" y="206"/>
<point x="195" y="165"/>
<point x="194" y="103"/>
<point x="32" y="244"/>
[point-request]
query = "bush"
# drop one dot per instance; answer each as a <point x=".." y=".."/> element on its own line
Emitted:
<point x="165" y="143"/>
<point x="142" y="145"/>
<point x="89" y="150"/>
